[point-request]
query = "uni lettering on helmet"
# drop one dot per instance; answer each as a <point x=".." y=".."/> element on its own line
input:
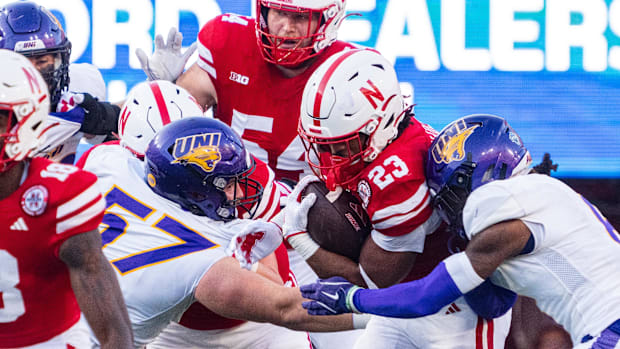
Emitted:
<point x="451" y="145"/>
<point x="201" y="150"/>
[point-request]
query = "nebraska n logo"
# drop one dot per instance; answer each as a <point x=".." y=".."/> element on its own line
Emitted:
<point x="451" y="145"/>
<point x="202" y="150"/>
<point x="372" y="95"/>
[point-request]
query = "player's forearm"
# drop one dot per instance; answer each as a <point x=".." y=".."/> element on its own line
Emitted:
<point x="236" y="293"/>
<point x="293" y="316"/>
<point x="385" y="268"/>
<point x="327" y="264"/>
<point x="102" y="303"/>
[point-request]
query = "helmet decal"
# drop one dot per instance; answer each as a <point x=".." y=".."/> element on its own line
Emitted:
<point x="372" y="94"/>
<point x="451" y="144"/>
<point x="201" y="150"/>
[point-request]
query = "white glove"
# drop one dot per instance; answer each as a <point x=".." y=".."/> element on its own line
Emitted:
<point x="68" y="101"/>
<point x="167" y="62"/>
<point x="257" y="240"/>
<point x="296" y="219"/>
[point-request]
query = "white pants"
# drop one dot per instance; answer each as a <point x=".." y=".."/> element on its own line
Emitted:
<point x="321" y="340"/>
<point x="247" y="335"/>
<point x="455" y="326"/>
<point x="77" y="336"/>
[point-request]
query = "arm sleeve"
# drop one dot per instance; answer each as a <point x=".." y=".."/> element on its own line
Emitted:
<point x="412" y="299"/>
<point x="101" y="118"/>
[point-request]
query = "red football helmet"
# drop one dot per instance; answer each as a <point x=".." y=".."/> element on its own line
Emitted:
<point x="330" y="13"/>
<point x="25" y="100"/>
<point x="350" y="111"/>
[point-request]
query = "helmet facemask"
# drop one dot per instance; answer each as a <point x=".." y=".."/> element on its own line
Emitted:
<point x="246" y="193"/>
<point x="56" y="74"/>
<point x="337" y="161"/>
<point x="292" y="52"/>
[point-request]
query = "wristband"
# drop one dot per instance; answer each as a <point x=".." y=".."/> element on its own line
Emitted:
<point x="360" y="320"/>
<point x="462" y="272"/>
<point x="349" y="301"/>
<point x="303" y="244"/>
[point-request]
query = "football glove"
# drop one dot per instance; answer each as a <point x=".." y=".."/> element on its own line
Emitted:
<point x="255" y="241"/>
<point x="167" y="61"/>
<point x="296" y="219"/>
<point x="330" y="296"/>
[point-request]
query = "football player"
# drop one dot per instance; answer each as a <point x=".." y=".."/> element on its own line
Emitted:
<point x="528" y="233"/>
<point x="254" y="70"/>
<point x="150" y="106"/>
<point x="360" y="135"/>
<point x="169" y="219"/>
<point x="50" y="250"/>
<point x="36" y="33"/>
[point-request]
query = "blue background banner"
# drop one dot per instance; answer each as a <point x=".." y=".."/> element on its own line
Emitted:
<point x="551" y="67"/>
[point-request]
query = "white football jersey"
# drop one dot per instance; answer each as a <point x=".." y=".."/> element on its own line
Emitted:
<point x="158" y="250"/>
<point x="572" y="272"/>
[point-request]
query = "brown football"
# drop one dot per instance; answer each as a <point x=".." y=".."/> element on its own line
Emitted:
<point x="337" y="221"/>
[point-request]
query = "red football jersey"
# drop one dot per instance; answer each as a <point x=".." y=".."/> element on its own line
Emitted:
<point x="55" y="202"/>
<point x="253" y="96"/>
<point x="393" y="187"/>
<point x="393" y="190"/>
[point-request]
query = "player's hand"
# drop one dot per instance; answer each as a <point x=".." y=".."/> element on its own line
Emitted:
<point x="257" y="240"/>
<point x="167" y="61"/>
<point x="329" y="296"/>
<point x="296" y="219"/>
<point x="296" y="210"/>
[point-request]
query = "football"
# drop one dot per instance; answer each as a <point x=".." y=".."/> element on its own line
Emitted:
<point x="337" y="221"/>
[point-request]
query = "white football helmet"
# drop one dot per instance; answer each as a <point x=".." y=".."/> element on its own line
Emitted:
<point x="151" y="105"/>
<point x="331" y="15"/>
<point x="350" y="111"/>
<point x="25" y="101"/>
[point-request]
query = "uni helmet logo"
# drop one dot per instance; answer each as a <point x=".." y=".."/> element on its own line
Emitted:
<point x="451" y="145"/>
<point x="201" y="150"/>
<point x="32" y="80"/>
<point x="372" y="95"/>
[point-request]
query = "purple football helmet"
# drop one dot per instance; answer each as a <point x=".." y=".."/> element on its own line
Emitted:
<point x="466" y="154"/>
<point x="191" y="161"/>
<point x="32" y="30"/>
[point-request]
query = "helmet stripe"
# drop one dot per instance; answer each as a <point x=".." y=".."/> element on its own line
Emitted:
<point x="319" y="93"/>
<point x="161" y="104"/>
